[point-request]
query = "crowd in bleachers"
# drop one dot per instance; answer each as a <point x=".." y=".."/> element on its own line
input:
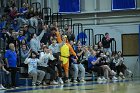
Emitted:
<point x="52" y="51"/>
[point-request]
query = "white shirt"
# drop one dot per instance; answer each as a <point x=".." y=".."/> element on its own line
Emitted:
<point x="44" y="58"/>
<point x="55" y="48"/>
<point x="32" y="64"/>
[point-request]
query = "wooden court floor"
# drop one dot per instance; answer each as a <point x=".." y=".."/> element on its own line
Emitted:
<point x="127" y="86"/>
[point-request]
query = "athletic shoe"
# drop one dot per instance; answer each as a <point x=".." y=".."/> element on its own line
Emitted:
<point x="60" y="81"/>
<point x="53" y="83"/>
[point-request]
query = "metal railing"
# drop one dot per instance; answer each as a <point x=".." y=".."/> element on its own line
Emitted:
<point x="98" y="37"/>
<point x="90" y="33"/>
<point x="46" y="15"/>
<point x="36" y="5"/>
<point x="67" y="21"/>
<point x="57" y="17"/>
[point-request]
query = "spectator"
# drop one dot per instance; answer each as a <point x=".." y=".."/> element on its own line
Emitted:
<point x="23" y="9"/>
<point x="106" y="40"/>
<point x="93" y="62"/>
<point x="45" y="56"/>
<point x="13" y="12"/>
<point x="11" y="63"/>
<point x="69" y="33"/>
<point x="3" y="22"/>
<point x="120" y="66"/>
<point x="107" y="71"/>
<point x="35" y="40"/>
<point x="65" y="51"/>
<point x="21" y="36"/>
<point x="25" y="51"/>
<point x="26" y="33"/>
<point x="4" y="75"/>
<point x="77" y="66"/>
<point x="37" y="75"/>
<point x="15" y="25"/>
<point x="55" y="48"/>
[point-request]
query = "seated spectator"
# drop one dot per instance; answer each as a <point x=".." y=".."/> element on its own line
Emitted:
<point x="113" y="61"/>
<point x="100" y="47"/>
<point x="79" y="70"/>
<point x="107" y="71"/>
<point x="45" y="56"/>
<point x="120" y="66"/>
<point x="93" y="62"/>
<point x="25" y="51"/>
<point x="37" y="75"/>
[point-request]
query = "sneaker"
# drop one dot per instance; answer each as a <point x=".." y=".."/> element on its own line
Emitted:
<point x="67" y="81"/>
<point x="33" y="84"/>
<point x="44" y="83"/>
<point x="61" y="81"/>
<point x="99" y="79"/>
<point x="53" y="83"/>
<point x="74" y="81"/>
<point x="2" y="88"/>
<point x="114" y="78"/>
<point x="121" y="75"/>
<point x="113" y="72"/>
<point x="82" y="80"/>
<point x="104" y="79"/>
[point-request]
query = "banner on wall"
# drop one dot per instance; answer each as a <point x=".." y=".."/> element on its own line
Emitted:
<point x="123" y="4"/>
<point x="69" y="6"/>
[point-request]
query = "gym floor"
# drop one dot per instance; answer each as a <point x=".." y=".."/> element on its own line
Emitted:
<point x="124" y="86"/>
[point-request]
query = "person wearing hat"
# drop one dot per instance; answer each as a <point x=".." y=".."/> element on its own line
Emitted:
<point x="65" y="51"/>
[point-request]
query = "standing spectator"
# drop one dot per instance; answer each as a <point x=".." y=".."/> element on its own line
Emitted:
<point x="23" y="9"/>
<point x="35" y="40"/>
<point x="21" y="36"/>
<point x="15" y="25"/>
<point x="55" y="47"/>
<point x="69" y="33"/>
<point x="1" y="74"/>
<point x="11" y="62"/>
<point x="37" y="75"/>
<point x="3" y="22"/>
<point x="106" y="40"/>
<point x="4" y="75"/>
<point x="26" y="32"/>
<point x="13" y="12"/>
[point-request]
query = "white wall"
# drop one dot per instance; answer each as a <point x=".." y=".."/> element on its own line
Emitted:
<point x="89" y="5"/>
